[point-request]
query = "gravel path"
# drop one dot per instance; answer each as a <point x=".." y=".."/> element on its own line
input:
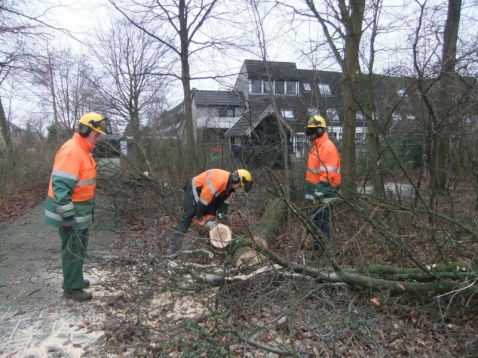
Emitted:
<point x="35" y="319"/>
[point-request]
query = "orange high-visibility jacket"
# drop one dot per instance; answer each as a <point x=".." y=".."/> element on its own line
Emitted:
<point x="214" y="183"/>
<point x="323" y="164"/>
<point x="72" y="184"/>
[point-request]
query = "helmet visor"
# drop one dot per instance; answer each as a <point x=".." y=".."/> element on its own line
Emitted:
<point x="102" y="126"/>
<point x="311" y="130"/>
<point x="105" y="126"/>
<point x="247" y="185"/>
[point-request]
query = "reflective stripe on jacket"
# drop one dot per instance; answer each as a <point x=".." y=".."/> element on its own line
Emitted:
<point x="323" y="165"/>
<point x="72" y="184"/>
<point x="214" y="183"/>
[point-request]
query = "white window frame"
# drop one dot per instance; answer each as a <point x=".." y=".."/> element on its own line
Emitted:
<point x="251" y="85"/>
<point x="290" y="85"/>
<point x="324" y="89"/>
<point x="313" y="111"/>
<point x="396" y="117"/>
<point x="332" y="114"/>
<point x="287" y="113"/>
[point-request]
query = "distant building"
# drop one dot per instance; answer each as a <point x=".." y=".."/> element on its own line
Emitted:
<point x="245" y="120"/>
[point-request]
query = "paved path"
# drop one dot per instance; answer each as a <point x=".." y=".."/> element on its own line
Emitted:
<point x="35" y="320"/>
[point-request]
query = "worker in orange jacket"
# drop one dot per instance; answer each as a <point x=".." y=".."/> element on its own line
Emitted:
<point x="323" y="176"/>
<point x="70" y="201"/>
<point x="207" y="197"/>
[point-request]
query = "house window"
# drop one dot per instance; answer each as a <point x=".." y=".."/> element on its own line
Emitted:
<point x="359" y="138"/>
<point x="267" y="86"/>
<point x="313" y="111"/>
<point x="401" y="93"/>
<point x="396" y="117"/>
<point x="279" y="87"/>
<point x="324" y="89"/>
<point x="359" y="116"/>
<point x="307" y="87"/>
<point x="287" y="113"/>
<point x="332" y="114"/>
<point x="255" y="86"/>
<point x="291" y="87"/>
<point x="226" y="112"/>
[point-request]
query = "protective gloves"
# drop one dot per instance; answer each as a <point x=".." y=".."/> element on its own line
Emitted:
<point x="211" y="224"/>
<point x="207" y="222"/>
<point x="221" y="217"/>
<point x="68" y="223"/>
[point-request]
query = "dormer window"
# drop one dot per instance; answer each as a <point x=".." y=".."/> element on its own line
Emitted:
<point x="307" y="87"/>
<point x="255" y="86"/>
<point x="226" y="112"/>
<point x="287" y="113"/>
<point x="313" y="111"/>
<point x="291" y="87"/>
<point x="280" y="85"/>
<point x="324" y="89"/>
<point x="332" y="114"/>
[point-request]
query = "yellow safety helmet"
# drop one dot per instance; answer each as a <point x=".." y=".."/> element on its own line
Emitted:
<point x="245" y="179"/>
<point x="95" y="121"/>
<point x="315" y="125"/>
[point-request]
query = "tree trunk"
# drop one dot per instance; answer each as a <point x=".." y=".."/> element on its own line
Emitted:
<point x="5" y="130"/>
<point x="263" y="235"/>
<point x="443" y="121"/>
<point x="352" y="20"/>
<point x="186" y="81"/>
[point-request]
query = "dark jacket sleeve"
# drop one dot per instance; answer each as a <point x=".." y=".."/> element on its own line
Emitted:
<point x="201" y="209"/>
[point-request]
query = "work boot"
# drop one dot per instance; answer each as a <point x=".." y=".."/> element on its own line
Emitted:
<point x="86" y="284"/>
<point x="174" y="246"/>
<point x="77" y="295"/>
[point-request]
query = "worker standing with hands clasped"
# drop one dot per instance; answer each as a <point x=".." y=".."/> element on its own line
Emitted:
<point x="70" y="201"/>
<point x="322" y="177"/>
<point x="206" y="199"/>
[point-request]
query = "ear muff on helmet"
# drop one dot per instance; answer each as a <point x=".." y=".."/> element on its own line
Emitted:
<point x="315" y="125"/>
<point x="235" y="178"/>
<point x="84" y="130"/>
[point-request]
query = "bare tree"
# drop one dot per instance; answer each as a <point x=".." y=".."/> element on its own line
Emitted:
<point x="181" y="26"/>
<point x="60" y="80"/>
<point x="127" y="81"/>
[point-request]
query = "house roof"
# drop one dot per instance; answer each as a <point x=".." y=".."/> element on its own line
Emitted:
<point x="286" y="71"/>
<point x="217" y="98"/>
<point x="258" y="110"/>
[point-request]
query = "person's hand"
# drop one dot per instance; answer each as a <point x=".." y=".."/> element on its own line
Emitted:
<point x="221" y="217"/>
<point x="318" y="195"/>
<point x="68" y="224"/>
<point x="210" y="224"/>
<point x="318" y="199"/>
<point x="206" y="221"/>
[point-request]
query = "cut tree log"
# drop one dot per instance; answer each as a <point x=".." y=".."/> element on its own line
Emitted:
<point x="220" y="236"/>
<point x="262" y="235"/>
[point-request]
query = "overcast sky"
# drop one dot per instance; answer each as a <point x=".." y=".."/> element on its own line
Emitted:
<point x="80" y="17"/>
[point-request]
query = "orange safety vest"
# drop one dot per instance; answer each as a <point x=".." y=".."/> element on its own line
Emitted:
<point x="214" y="183"/>
<point x="323" y="163"/>
<point x="74" y="161"/>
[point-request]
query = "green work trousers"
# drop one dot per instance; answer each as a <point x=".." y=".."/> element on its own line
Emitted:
<point x="73" y="252"/>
